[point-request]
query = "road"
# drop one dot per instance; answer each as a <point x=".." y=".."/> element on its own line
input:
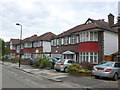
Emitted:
<point x="13" y="78"/>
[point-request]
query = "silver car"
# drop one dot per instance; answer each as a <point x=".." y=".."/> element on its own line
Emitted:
<point x="107" y="69"/>
<point x="62" y="65"/>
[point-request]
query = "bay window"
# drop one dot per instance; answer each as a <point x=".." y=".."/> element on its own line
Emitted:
<point x="91" y="57"/>
<point x="88" y="36"/>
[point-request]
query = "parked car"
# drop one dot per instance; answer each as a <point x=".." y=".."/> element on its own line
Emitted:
<point x="107" y="69"/>
<point x="52" y="60"/>
<point x="62" y="65"/>
<point x="31" y="61"/>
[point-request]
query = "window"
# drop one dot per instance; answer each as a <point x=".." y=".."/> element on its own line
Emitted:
<point x="88" y="36"/>
<point x="60" y="41"/>
<point x="66" y="40"/>
<point x="27" y="55"/>
<point x="91" y="36"/>
<point x="95" y="36"/>
<point x="77" y="39"/>
<point x="52" y="42"/>
<point x="117" y="65"/>
<point x="71" y="61"/>
<point x="91" y="57"/>
<point x="57" y="40"/>
<point x="39" y="43"/>
<point x="35" y="44"/>
<point x="73" y="39"/>
<point x="28" y="45"/>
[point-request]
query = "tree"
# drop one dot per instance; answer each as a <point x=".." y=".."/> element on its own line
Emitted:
<point x="3" y="48"/>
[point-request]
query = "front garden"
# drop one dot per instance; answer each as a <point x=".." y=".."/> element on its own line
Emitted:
<point x="80" y="69"/>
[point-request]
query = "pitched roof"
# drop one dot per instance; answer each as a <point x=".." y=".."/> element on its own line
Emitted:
<point x="46" y="37"/>
<point x="101" y="24"/>
<point x="15" y="41"/>
<point x="30" y="39"/>
<point x="116" y="26"/>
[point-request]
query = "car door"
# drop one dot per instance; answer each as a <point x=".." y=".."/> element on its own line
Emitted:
<point x="119" y="69"/>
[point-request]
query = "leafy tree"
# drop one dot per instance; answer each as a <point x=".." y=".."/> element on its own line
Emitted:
<point x="3" y="49"/>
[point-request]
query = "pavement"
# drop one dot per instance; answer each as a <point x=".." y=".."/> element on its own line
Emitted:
<point x="48" y="74"/>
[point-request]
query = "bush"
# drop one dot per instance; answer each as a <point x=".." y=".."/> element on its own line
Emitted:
<point x="42" y="63"/>
<point x="86" y="65"/>
<point x="15" y="60"/>
<point x="78" y="68"/>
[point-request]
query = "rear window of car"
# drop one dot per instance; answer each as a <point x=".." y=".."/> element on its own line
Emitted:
<point x="109" y="64"/>
<point x="60" y="61"/>
<point x="71" y="61"/>
<point x="117" y="65"/>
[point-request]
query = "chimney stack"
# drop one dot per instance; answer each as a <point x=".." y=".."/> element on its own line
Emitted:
<point x="111" y="19"/>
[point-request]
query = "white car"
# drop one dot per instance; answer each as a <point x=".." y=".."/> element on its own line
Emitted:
<point x="62" y="65"/>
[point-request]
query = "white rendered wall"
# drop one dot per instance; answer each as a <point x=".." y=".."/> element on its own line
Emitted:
<point x="110" y="43"/>
<point x="46" y="46"/>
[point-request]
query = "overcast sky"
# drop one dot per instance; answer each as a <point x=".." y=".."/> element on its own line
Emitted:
<point x="41" y="16"/>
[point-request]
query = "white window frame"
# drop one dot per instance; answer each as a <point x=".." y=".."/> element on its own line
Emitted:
<point x="88" y="36"/>
<point x="83" y="57"/>
<point x="73" y="39"/>
<point x="28" y="45"/>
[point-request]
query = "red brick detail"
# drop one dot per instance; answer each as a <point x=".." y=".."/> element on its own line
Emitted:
<point x="31" y="50"/>
<point x="13" y="51"/>
<point x="88" y="47"/>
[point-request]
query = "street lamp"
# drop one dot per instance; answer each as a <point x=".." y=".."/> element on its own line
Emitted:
<point x="20" y="42"/>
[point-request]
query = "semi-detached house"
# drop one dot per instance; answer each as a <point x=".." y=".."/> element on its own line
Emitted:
<point x="91" y="41"/>
<point x="32" y="47"/>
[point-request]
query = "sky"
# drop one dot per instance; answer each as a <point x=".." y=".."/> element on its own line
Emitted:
<point x="56" y="16"/>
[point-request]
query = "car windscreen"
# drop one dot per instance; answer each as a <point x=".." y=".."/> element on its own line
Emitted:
<point x="109" y="64"/>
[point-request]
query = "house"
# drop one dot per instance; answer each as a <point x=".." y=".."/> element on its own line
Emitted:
<point x="42" y="45"/>
<point x="13" y="47"/>
<point x="32" y="47"/>
<point x="92" y="41"/>
<point x="116" y="55"/>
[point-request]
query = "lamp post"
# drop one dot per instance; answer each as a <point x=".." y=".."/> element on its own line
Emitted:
<point x="20" y="42"/>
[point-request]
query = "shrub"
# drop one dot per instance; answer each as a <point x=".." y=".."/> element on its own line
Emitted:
<point x="86" y="65"/>
<point x="43" y="63"/>
<point x="15" y="60"/>
<point x="78" y="68"/>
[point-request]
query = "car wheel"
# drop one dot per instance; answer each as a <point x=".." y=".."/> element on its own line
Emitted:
<point x="97" y="76"/>
<point x="115" y="77"/>
<point x="57" y="70"/>
<point x="66" y="69"/>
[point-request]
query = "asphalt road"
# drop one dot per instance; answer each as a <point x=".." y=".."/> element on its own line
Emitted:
<point x="13" y="78"/>
<point x="102" y="83"/>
